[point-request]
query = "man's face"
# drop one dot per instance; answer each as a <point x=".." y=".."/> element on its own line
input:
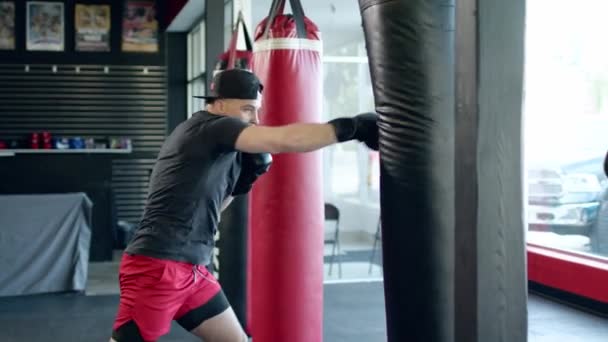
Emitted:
<point x="246" y="110"/>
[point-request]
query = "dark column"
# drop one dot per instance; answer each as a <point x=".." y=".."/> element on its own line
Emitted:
<point x="501" y="262"/>
<point x="214" y="35"/>
<point x="465" y="170"/>
<point x="232" y="257"/>
<point x="177" y="71"/>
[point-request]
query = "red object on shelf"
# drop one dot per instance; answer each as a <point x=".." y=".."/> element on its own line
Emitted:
<point x="34" y="141"/>
<point x="47" y="140"/>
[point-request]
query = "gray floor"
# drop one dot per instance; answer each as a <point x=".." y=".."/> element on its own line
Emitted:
<point x="354" y="308"/>
<point x="549" y="321"/>
<point x="352" y="312"/>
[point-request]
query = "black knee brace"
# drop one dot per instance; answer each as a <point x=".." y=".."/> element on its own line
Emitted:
<point x="128" y="332"/>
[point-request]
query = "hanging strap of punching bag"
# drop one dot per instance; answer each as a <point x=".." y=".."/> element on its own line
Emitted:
<point x="234" y="40"/>
<point x="232" y="57"/>
<point x="272" y="35"/>
<point x="278" y="6"/>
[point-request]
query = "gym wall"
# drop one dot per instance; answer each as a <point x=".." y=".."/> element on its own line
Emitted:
<point x="87" y="94"/>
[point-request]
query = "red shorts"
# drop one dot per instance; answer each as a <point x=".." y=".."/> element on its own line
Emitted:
<point x="153" y="292"/>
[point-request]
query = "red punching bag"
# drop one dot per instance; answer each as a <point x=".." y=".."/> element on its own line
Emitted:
<point x="233" y="58"/>
<point x="286" y="209"/>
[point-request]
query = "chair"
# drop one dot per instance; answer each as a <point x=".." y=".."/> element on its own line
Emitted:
<point x="333" y="214"/>
<point x="377" y="238"/>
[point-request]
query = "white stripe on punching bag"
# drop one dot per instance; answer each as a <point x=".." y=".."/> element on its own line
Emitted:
<point x="288" y="44"/>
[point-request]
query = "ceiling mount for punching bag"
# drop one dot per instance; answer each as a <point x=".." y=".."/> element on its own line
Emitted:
<point x="298" y="17"/>
<point x="287" y="203"/>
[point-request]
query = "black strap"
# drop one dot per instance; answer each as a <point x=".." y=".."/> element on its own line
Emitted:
<point x="234" y="40"/>
<point x="298" y="15"/>
<point x="245" y="31"/>
<point x="274" y="7"/>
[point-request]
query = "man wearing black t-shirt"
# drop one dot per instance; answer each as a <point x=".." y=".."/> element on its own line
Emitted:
<point x="216" y="154"/>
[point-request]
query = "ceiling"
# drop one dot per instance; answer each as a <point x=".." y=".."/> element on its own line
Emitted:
<point x="338" y="20"/>
<point x="187" y="16"/>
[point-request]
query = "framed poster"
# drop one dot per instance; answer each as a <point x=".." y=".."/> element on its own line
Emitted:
<point x="92" y="25"/>
<point x="7" y="25"/>
<point x="44" y="26"/>
<point x="139" y="27"/>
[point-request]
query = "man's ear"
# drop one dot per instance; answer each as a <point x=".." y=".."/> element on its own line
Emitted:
<point x="220" y="106"/>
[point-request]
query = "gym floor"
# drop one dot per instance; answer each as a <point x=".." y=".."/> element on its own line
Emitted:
<point x="353" y="310"/>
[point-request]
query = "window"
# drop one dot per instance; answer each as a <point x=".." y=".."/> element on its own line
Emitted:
<point x="351" y="170"/>
<point x="228" y="21"/>
<point x="196" y="67"/>
<point x="351" y="167"/>
<point x="566" y="126"/>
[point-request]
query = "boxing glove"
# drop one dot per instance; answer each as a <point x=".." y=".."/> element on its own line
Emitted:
<point x="362" y="127"/>
<point x="253" y="165"/>
<point x="606" y="164"/>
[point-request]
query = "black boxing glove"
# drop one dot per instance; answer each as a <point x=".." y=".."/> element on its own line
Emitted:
<point x="362" y="127"/>
<point x="606" y="164"/>
<point x="253" y="165"/>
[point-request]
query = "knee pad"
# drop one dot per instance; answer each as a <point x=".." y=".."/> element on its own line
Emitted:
<point x="128" y="332"/>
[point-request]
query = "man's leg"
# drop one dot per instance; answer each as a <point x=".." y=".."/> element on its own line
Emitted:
<point x="224" y="327"/>
<point x="207" y="313"/>
<point x="148" y="299"/>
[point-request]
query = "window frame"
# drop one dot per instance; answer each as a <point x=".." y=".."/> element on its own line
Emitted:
<point x="196" y="66"/>
<point x="572" y="272"/>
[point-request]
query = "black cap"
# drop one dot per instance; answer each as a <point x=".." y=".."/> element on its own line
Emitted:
<point x="234" y="84"/>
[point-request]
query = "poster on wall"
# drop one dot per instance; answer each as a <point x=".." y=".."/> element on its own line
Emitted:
<point x="139" y="27"/>
<point x="92" y="25"/>
<point x="45" y="26"/>
<point x="7" y="25"/>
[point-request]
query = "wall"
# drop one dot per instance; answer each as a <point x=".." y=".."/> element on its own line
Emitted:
<point x="69" y="56"/>
<point x="90" y="94"/>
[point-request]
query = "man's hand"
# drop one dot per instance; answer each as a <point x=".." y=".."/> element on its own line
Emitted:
<point x="362" y="127"/>
<point x="253" y="165"/>
<point x="606" y="164"/>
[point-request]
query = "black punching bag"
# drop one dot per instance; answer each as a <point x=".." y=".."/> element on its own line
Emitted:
<point x="231" y="255"/>
<point x="410" y="49"/>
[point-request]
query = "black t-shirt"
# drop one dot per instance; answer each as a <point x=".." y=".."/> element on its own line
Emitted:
<point x="195" y="171"/>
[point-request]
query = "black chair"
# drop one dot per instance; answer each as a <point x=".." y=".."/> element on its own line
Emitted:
<point x="333" y="214"/>
<point x="377" y="238"/>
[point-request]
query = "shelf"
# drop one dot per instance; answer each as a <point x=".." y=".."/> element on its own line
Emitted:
<point x="10" y="153"/>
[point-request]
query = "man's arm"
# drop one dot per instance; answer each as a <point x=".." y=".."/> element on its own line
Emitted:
<point x="306" y="137"/>
<point x="257" y="142"/>
<point x="301" y="137"/>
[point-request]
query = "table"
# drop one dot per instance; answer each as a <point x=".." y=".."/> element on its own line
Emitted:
<point x="44" y="243"/>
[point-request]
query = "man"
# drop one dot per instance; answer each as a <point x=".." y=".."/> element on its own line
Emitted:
<point x="216" y="154"/>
